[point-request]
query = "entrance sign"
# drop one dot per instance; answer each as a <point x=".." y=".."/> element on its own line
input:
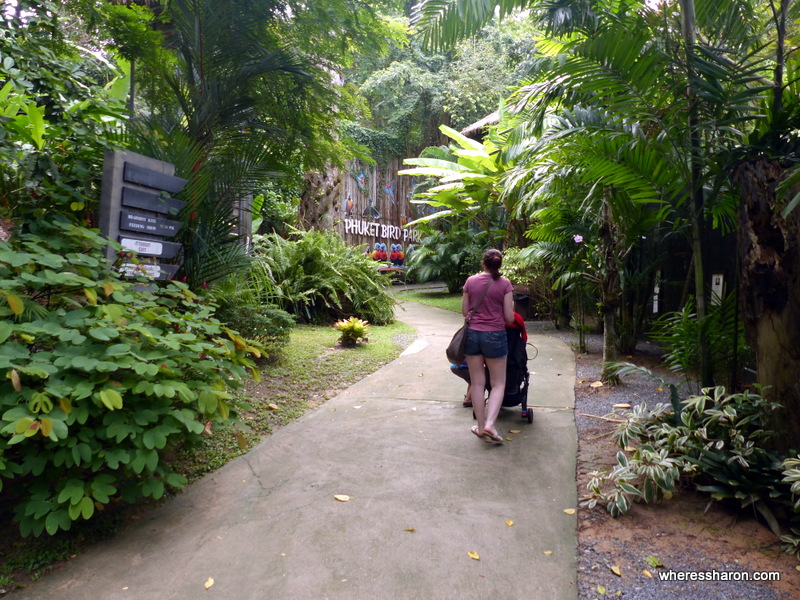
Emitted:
<point x="381" y="230"/>
<point x="134" y="209"/>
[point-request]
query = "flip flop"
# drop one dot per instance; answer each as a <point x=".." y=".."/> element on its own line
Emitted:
<point x="490" y="437"/>
<point x="474" y="430"/>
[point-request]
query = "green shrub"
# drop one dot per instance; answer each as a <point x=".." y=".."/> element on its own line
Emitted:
<point x="679" y="334"/>
<point x="449" y="256"/>
<point x="719" y="443"/>
<point x="239" y="306"/>
<point x="99" y="376"/>
<point x="318" y="278"/>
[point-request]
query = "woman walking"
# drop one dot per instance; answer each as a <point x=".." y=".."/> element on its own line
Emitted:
<point x="488" y="296"/>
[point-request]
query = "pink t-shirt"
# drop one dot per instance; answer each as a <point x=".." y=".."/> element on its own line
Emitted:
<point x="489" y="316"/>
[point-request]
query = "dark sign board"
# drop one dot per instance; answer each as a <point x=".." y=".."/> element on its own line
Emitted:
<point x="153" y="179"/>
<point x="134" y="209"/>
<point x="131" y="220"/>
<point x="145" y="200"/>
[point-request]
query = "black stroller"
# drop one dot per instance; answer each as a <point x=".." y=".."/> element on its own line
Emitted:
<point x="517" y="374"/>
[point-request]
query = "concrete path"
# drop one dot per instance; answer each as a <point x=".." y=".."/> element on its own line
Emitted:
<point x="424" y="492"/>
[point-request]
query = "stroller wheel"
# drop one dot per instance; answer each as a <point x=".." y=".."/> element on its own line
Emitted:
<point x="529" y="414"/>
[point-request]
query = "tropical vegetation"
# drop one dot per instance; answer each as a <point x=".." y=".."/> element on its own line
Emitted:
<point x="642" y="128"/>
<point x="619" y="139"/>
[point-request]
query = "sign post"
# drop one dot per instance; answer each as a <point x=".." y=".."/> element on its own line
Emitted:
<point x="135" y="209"/>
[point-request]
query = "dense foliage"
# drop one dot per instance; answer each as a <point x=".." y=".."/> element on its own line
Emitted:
<point x="101" y="377"/>
<point x="316" y="277"/>
<point x="718" y="442"/>
<point x="59" y="108"/>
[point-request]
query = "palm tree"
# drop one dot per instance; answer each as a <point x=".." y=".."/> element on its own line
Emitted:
<point x="718" y="73"/>
<point x="219" y="118"/>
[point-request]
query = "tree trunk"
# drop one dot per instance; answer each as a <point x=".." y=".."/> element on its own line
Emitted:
<point x="696" y="200"/>
<point x="769" y="255"/>
<point x="611" y="289"/>
<point x="319" y="199"/>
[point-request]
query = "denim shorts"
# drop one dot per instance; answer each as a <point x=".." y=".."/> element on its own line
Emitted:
<point x="490" y="344"/>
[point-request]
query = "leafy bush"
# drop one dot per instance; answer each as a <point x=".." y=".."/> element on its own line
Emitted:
<point x="449" y="256"/>
<point x="720" y="443"/>
<point x="57" y="117"/>
<point x="99" y="377"/>
<point x="318" y="278"/>
<point x="527" y="269"/>
<point x="239" y="306"/>
<point x="352" y="330"/>
<point x="679" y="332"/>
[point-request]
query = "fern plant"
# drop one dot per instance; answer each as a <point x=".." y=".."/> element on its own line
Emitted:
<point x="318" y="278"/>
<point x="679" y="333"/>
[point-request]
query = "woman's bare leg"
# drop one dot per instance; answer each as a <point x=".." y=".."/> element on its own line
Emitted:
<point x="497" y="376"/>
<point x="477" y="388"/>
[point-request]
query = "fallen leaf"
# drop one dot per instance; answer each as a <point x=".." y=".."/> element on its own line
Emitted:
<point x="509" y="439"/>
<point x="473" y="555"/>
<point x="273" y="406"/>
<point x="515" y="431"/>
<point x="647" y="573"/>
<point x="622" y="405"/>
<point x="616" y="570"/>
<point x="411" y="529"/>
<point x="569" y="511"/>
<point x="547" y="552"/>
<point x="660" y="389"/>
<point x="509" y="523"/>
<point x="241" y="441"/>
<point x="601" y="590"/>
<point x="342" y="497"/>
<point x="209" y="582"/>
<point x="596" y="384"/>
<point x="630" y="449"/>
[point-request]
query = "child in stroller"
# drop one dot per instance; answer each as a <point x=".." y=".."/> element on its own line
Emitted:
<point x="517" y="374"/>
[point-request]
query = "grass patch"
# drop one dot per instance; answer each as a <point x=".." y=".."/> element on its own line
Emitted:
<point x="313" y="369"/>
<point x="437" y="298"/>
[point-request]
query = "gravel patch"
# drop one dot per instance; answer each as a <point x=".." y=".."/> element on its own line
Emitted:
<point x="601" y="546"/>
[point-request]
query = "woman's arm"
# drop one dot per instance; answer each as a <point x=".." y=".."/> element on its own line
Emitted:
<point x="465" y="304"/>
<point x="508" y="308"/>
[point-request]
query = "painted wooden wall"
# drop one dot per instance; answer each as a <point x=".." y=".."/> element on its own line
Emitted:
<point x="374" y="205"/>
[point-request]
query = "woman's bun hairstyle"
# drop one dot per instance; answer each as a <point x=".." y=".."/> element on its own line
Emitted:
<point x="493" y="260"/>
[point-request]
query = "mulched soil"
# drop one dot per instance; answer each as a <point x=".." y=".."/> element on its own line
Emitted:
<point x="689" y="532"/>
